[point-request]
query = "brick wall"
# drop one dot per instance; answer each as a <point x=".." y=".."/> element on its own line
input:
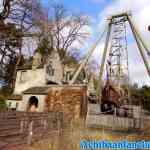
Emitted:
<point x="71" y="100"/>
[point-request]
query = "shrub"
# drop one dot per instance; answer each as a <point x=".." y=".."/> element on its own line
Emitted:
<point x="3" y="105"/>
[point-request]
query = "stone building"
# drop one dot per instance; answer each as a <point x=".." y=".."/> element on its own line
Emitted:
<point x="36" y="79"/>
<point x="35" y="73"/>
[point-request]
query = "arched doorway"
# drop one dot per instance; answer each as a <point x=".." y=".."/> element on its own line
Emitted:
<point x="33" y="104"/>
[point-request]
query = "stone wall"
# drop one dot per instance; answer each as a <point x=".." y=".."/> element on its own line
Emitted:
<point x="71" y="100"/>
<point x="33" y="78"/>
<point x="55" y="63"/>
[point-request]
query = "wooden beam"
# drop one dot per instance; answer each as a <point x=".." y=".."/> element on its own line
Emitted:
<point x="99" y="88"/>
<point x="85" y="61"/>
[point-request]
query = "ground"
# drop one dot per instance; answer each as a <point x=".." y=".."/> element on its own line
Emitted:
<point x="71" y="137"/>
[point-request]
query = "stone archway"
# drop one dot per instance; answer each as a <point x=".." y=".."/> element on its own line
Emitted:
<point x="33" y="104"/>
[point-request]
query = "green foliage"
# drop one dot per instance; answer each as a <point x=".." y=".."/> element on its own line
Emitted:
<point x="3" y="105"/>
<point x="5" y="91"/>
<point x="145" y="96"/>
<point x="43" y="47"/>
<point x="141" y="96"/>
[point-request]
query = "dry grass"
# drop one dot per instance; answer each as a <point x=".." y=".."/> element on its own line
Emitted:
<point x="70" y="139"/>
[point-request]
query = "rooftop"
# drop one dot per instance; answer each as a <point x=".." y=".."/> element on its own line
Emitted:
<point x="37" y="90"/>
<point x="15" y="97"/>
<point x="42" y="90"/>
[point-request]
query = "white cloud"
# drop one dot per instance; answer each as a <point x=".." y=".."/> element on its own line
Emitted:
<point x="137" y="69"/>
<point x="139" y="8"/>
<point x="97" y="55"/>
<point x="141" y="17"/>
<point x="78" y="44"/>
<point x="1" y="5"/>
<point x="138" y="74"/>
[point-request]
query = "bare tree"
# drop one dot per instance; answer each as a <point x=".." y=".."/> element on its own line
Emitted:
<point x="55" y="29"/>
<point x="18" y="20"/>
<point x="64" y="29"/>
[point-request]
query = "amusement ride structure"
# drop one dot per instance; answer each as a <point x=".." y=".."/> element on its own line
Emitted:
<point x="115" y="59"/>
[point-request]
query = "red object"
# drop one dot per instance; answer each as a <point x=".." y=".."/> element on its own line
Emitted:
<point x="109" y="93"/>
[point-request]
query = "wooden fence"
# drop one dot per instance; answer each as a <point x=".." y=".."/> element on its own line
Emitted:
<point x="18" y="128"/>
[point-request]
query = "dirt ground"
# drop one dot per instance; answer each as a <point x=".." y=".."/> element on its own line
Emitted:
<point x="70" y="138"/>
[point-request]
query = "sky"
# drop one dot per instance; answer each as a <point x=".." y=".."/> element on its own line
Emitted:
<point x="99" y="11"/>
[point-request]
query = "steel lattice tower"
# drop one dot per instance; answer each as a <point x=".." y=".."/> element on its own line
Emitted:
<point x="117" y="64"/>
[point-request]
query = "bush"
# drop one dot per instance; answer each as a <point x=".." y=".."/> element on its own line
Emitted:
<point x="3" y="105"/>
<point x="145" y="95"/>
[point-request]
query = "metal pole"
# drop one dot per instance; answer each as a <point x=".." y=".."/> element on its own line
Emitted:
<point x="140" y="47"/>
<point x="84" y="63"/>
<point x="99" y="88"/>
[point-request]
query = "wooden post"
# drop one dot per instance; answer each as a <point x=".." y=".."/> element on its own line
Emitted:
<point x="85" y="61"/>
<point x="115" y="111"/>
<point x="59" y="124"/>
<point x="141" y="119"/>
<point x="45" y="124"/>
<point x="21" y="126"/>
<point x="113" y="119"/>
<point x="99" y="88"/>
<point x="30" y="133"/>
<point x="59" y="128"/>
<point x="26" y="122"/>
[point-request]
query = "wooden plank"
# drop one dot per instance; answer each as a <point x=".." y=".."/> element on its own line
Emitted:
<point x="15" y="127"/>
